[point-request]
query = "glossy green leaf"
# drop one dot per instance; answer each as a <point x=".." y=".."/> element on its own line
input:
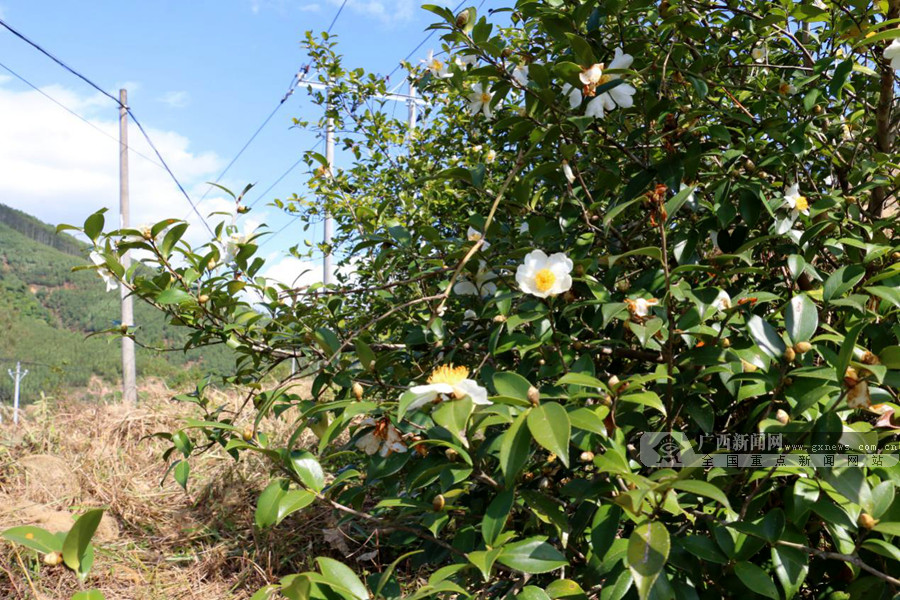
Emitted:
<point x="34" y="538"/>
<point x="801" y="318"/>
<point x="79" y="537"/>
<point x="756" y="579"/>
<point x="496" y="515"/>
<point x="533" y="555"/>
<point x="550" y="427"/>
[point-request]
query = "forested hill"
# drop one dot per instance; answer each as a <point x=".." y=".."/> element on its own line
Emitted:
<point x="47" y="312"/>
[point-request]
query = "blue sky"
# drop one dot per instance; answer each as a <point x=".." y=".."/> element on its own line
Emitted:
<point x="202" y="75"/>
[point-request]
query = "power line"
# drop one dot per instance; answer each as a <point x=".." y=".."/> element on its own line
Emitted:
<point x="75" y="114"/>
<point x="165" y="165"/>
<point x="291" y="88"/>
<point x="422" y="43"/>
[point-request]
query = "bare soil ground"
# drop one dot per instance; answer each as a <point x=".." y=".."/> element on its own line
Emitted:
<point x="156" y="541"/>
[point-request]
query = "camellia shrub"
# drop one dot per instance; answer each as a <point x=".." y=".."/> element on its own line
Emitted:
<point x="617" y="319"/>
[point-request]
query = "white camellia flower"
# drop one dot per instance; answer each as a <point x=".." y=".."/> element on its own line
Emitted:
<point x="520" y="75"/>
<point x="620" y="95"/>
<point x="542" y="276"/>
<point x="480" y="100"/>
<point x="104" y="272"/>
<point x="760" y="53"/>
<point x="384" y="438"/>
<point x="445" y="383"/>
<point x="567" y="171"/>
<point x="892" y="53"/>
<point x="574" y="95"/>
<point x="491" y="156"/>
<point x="465" y="61"/>
<point x="523" y="228"/>
<point x="722" y="301"/>
<point x="234" y="242"/>
<point x="473" y="235"/>
<point x="484" y="283"/>
<point x="469" y="317"/>
<point x="592" y="76"/>
<point x="640" y="307"/>
<point x="786" y="88"/>
<point x="438" y="68"/>
<point x="797" y="203"/>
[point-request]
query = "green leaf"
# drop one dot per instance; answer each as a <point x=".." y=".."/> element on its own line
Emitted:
<point x="703" y="548"/>
<point x="89" y="595"/>
<point x="889" y="294"/>
<point x="604" y="528"/>
<point x="582" y="49"/>
<point x="530" y="592"/>
<point x="515" y="447"/>
<point x="453" y="416"/>
<point x="172" y="296"/>
<point x="34" y="538"/>
<point x="888" y="527"/>
<point x="181" y="473"/>
<point x="702" y="488"/>
<point x="756" y="580"/>
<point x="496" y="515"/>
<point x="846" y="352"/>
<point x="791" y="566"/>
<point x="678" y="200"/>
<point x="652" y="252"/>
<point x="842" y="281"/>
<point x="512" y="385"/>
<point x="533" y="555"/>
<point x="765" y="336"/>
<point x="565" y="589"/>
<point x="364" y="354"/>
<point x="645" y="398"/>
<point x="484" y="560"/>
<point x="549" y="425"/>
<point x="278" y="501"/>
<point x="648" y="550"/>
<point x="343" y="577"/>
<point x="582" y="379"/>
<point x="801" y="318"/>
<point x="93" y="225"/>
<point x="308" y="469"/>
<point x="79" y="538"/>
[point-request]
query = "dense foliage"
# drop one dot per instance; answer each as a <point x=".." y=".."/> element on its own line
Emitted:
<point x="614" y="218"/>
<point x="46" y="312"/>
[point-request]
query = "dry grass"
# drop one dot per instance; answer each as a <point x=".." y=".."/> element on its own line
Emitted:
<point x="157" y="542"/>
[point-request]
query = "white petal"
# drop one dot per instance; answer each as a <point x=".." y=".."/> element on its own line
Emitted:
<point x="621" y="60"/>
<point x="595" y="108"/>
<point x="368" y="443"/>
<point x="465" y="288"/>
<point x="471" y="388"/>
<point x="559" y="260"/>
<point x="535" y="261"/>
<point x="622" y="94"/>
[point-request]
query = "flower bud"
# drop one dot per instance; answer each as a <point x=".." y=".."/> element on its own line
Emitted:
<point x="866" y="521"/>
<point x="606" y="400"/>
<point x="896" y="255"/>
<point x="53" y="558"/>
<point x="748" y="367"/>
<point x="726" y="342"/>
<point x="543" y="483"/>
<point x="438" y="503"/>
<point x="500" y="319"/>
<point x="506" y="52"/>
<point x="451" y="454"/>
<point x="247" y="434"/>
<point x="613" y="383"/>
<point x="203" y="298"/>
<point x="241" y="209"/>
<point x="586" y="456"/>
<point x="542" y="362"/>
<point x="789" y="354"/>
<point x="802" y="347"/>
<point x="462" y="19"/>
<point x="534" y="395"/>
<point x="357" y="390"/>
<point x="782" y="417"/>
<point x="211" y="264"/>
<point x="579" y="270"/>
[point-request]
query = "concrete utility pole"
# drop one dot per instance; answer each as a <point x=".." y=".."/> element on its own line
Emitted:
<point x="411" y="100"/>
<point x="17" y="377"/>
<point x="129" y="376"/>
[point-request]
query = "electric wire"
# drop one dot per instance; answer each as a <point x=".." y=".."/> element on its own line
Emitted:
<point x="75" y="114"/>
<point x="137" y="122"/>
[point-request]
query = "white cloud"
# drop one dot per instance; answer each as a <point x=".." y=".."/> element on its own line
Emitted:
<point x="176" y="99"/>
<point x="313" y="7"/>
<point x="60" y="169"/>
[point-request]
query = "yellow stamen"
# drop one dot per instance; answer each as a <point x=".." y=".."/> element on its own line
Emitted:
<point x="436" y="65"/>
<point x="604" y="79"/>
<point x="544" y="280"/>
<point x="485" y="98"/>
<point x="802" y="203"/>
<point x="448" y="374"/>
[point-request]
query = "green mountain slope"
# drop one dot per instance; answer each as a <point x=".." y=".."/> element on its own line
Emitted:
<point x="47" y="312"/>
